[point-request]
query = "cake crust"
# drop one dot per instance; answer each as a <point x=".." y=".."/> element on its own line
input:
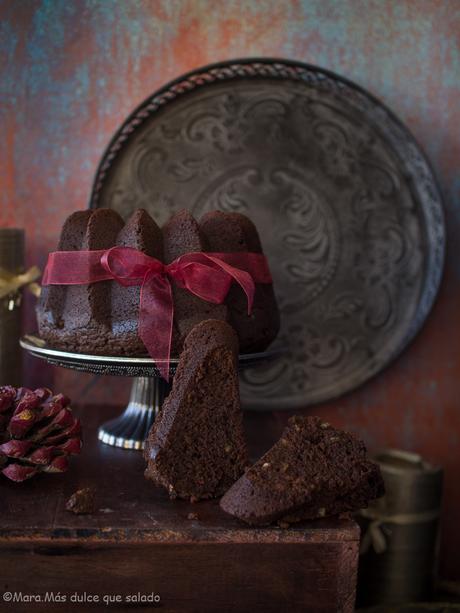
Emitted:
<point x="182" y="235"/>
<point x="231" y="233"/>
<point x="78" y="317"/>
<point x="142" y="233"/>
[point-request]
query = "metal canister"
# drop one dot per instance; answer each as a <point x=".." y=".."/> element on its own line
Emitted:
<point x="399" y="541"/>
<point x="11" y="261"/>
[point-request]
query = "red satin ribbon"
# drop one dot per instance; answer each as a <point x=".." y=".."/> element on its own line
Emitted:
<point x="207" y="275"/>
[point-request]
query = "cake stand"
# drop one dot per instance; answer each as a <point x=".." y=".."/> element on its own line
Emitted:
<point x="148" y="390"/>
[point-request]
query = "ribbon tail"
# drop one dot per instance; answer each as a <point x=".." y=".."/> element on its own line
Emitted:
<point x="378" y="537"/>
<point x="373" y="537"/>
<point x="366" y="542"/>
<point x="242" y="277"/>
<point x="156" y="315"/>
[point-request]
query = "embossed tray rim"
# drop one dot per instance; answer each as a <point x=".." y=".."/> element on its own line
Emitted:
<point x="101" y="169"/>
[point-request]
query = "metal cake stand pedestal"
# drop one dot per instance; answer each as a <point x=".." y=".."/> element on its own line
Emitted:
<point x="148" y="390"/>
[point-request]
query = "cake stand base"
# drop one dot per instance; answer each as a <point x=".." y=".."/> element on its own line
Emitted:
<point x="130" y="430"/>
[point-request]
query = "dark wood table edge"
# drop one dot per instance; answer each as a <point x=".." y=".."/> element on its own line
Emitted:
<point x="349" y="531"/>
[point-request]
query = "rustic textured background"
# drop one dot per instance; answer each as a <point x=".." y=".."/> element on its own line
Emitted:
<point x="71" y="71"/>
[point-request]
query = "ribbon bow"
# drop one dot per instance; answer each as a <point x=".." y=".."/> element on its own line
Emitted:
<point x="207" y="275"/>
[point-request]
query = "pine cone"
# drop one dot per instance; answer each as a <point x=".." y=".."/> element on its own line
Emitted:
<point x="38" y="432"/>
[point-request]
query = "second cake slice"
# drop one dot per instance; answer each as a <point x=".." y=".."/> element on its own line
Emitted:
<point x="196" y="447"/>
<point x="313" y="471"/>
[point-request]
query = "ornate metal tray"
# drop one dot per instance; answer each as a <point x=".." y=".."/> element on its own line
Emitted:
<point x="346" y="204"/>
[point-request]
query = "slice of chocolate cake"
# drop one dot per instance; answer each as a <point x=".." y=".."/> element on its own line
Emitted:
<point x="313" y="471"/>
<point x="181" y="235"/>
<point x="142" y="233"/>
<point x="196" y="448"/>
<point x="230" y="233"/>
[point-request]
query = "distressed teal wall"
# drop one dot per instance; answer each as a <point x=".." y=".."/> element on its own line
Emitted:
<point x="72" y="70"/>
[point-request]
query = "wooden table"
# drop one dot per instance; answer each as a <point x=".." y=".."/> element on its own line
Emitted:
<point x="139" y="544"/>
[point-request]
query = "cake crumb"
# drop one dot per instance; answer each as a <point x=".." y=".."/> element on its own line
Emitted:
<point x="192" y="516"/>
<point x="82" y="502"/>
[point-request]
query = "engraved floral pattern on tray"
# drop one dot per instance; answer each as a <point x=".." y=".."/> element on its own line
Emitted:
<point x="335" y="205"/>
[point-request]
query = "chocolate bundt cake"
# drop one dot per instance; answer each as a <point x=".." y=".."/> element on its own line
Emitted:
<point x="102" y="318"/>
<point x="231" y="233"/>
<point x="196" y="448"/>
<point x="313" y="471"/>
